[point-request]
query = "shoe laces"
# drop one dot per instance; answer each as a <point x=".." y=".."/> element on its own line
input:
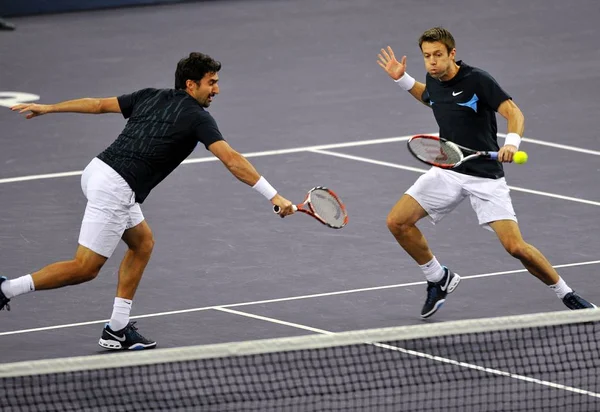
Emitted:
<point x="575" y="300"/>
<point x="133" y="330"/>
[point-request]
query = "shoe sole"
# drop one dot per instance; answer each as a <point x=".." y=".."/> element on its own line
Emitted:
<point x="115" y="345"/>
<point x="436" y="307"/>
<point x="453" y="284"/>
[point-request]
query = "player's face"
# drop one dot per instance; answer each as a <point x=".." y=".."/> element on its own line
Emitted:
<point x="438" y="62"/>
<point x="204" y="90"/>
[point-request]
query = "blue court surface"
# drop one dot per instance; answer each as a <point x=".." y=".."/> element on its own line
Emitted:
<point x="303" y="98"/>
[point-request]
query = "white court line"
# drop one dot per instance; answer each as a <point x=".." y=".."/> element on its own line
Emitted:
<point x="40" y="177"/>
<point x="307" y="148"/>
<point x="214" y="159"/>
<point x="415" y="169"/>
<point x="287" y="299"/>
<point x="273" y="320"/>
<point x="557" y="145"/>
<point x="296" y="150"/>
<point x="424" y="355"/>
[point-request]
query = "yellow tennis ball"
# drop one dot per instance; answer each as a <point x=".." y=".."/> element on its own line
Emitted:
<point x="520" y="158"/>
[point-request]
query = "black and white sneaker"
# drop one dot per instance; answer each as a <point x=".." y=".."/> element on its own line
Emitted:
<point x="4" y="25"/>
<point x="573" y="301"/>
<point x="437" y="292"/>
<point x="126" y="338"/>
<point x="3" y="299"/>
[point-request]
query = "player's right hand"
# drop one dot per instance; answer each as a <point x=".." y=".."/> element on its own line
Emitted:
<point x="285" y="206"/>
<point x="394" y="68"/>
<point x="35" y="109"/>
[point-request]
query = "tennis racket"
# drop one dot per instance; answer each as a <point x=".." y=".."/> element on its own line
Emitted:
<point x="324" y="205"/>
<point x="437" y="151"/>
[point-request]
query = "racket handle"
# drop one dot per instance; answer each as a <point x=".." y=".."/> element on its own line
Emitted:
<point x="276" y="208"/>
<point x="493" y="155"/>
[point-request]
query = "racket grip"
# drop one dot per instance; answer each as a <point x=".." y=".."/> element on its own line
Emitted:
<point x="276" y="208"/>
<point x="493" y="155"/>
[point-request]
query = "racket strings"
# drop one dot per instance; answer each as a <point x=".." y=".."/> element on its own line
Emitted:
<point x="328" y="208"/>
<point x="436" y="151"/>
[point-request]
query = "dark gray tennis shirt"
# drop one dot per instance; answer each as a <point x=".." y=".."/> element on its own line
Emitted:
<point x="465" y="110"/>
<point x="164" y="127"/>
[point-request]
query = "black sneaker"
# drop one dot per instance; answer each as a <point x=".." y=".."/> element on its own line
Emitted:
<point x="126" y="338"/>
<point x="436" y="292"/>
<point x="4" y="25"/>
<point x="3" y="299"/>
<point x="573" y="301"/>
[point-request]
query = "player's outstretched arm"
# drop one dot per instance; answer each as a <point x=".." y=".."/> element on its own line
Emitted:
<point x="85" y="105"/>
<point x="244" y="171"/>
<point x="397" y="71"/>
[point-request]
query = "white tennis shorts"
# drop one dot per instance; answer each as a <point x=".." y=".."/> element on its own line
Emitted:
<point x="110" y="210"/>
<point x="440" y="191"/>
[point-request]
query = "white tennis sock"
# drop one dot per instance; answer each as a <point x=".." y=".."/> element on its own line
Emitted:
<point x="120" y="315"/>
<point x="561" y="288"/>
<point x="434" y="272"/>
<point x="18" y="286"/>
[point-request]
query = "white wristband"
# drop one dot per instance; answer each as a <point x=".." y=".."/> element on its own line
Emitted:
<point x="264" y="188"/>
<point x="406" y="82"/>
<point x="513" y="139"/>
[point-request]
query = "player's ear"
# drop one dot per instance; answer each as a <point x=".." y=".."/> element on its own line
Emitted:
<point x="189" y="84"/>
<point x="452" y="53"/>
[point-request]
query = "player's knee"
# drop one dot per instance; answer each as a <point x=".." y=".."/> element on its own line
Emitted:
<point x="145" y="246"/>
<point x="87" y="270"/>
<point x="397" y="226"/>
<point x="516" y="249"/>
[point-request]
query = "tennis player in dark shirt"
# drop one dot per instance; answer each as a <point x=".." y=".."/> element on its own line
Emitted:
<point x="163" y="128"/>
<point x="464" y="101"/>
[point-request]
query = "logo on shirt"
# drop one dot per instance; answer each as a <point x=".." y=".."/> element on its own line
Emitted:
<point x="472" y="104"/>
<point x="456" y="93"/>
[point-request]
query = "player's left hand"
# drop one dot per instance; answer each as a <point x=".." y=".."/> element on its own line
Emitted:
<point x="34" y="109"/>
<point x="506" y="153"/>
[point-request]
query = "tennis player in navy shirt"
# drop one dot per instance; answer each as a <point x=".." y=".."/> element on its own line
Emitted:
<point x="464" y="101"/>
<point x="163" y="128"/>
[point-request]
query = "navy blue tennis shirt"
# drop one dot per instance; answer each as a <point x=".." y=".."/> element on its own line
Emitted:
<point x="465" y="110"/>
<point x="163" y="128"/>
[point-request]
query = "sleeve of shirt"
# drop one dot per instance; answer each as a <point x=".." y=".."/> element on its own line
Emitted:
<point x="425" y="97"/>
<point x="206" y="130"/>
<point x="492" y="93"/>
<point x="128" y="101"/>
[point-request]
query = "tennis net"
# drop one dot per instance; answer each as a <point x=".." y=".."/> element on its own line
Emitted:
<point x="540" y="362"/>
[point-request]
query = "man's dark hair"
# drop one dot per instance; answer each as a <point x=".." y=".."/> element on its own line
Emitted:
<point x="194" y="67"/>
<point x="438" y="34"/>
